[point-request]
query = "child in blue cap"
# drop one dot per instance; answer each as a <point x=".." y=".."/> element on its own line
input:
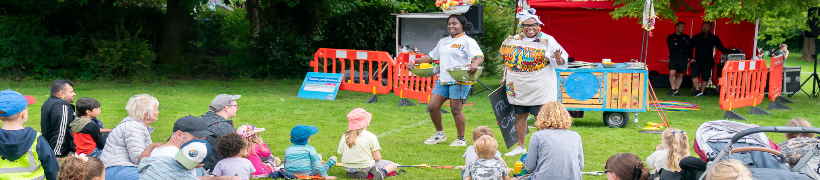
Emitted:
<point x="301" y="159"/>
<point x="24" y="153"/>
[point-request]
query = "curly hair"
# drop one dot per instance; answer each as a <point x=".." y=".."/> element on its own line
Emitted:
<point x="231" y="145"/>
<point x="80" y="168"/>
<point x="553" y="115"/>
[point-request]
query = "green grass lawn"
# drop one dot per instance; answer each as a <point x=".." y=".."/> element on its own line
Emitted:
<point x="274" y="105"/>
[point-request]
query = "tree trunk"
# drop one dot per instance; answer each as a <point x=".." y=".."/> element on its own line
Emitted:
<point x="177" y="20"/>
<point x="808" y="48"/>
<point x="252" y="7"/>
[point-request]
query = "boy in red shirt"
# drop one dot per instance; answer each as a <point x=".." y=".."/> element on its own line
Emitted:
<point x="86" y="129"/>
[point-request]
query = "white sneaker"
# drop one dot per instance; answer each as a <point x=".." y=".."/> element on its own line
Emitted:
<point x="516" y="151"/>
<point x="436" y="138"/>
<point x="459" y="142"/>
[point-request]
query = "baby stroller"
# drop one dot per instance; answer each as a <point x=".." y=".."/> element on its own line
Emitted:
<point x="764" y="162"/>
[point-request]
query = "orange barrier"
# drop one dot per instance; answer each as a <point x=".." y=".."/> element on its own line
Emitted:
<point x="776" y="78"/>
<point x="742" y="84"/>
<point x="408" y="85"/>
<point x="364" y="71"/>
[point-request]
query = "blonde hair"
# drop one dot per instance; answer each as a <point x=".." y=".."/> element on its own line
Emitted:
<point x="76" y="167"/>
<point x="799" y="122"/>
<point x="480" y="131"/>
<point x="730" y="169"/>
<point x="486" y="147"/>
<point x="140" y="105"/>
<point x="677" y="146"/>
<point x="351" y="135"/>
<point x="553" y="115"/>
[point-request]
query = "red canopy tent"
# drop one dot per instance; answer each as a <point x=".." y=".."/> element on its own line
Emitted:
<point x="588" y="32"/>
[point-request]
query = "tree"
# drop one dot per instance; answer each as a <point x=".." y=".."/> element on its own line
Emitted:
<point x="779" y="19"/>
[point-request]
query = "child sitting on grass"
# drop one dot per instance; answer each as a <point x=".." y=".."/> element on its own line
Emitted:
<point x="470" y="154"/>
<point x="488" y="166"/>
<point x="360" y="149"/>
<point x="625" y="166"/>
<point x="555" y="151"/>
<point x="23" y="144"/>
<point x="258" y="152"/>
<point x="234" y="149"/>
<point x="81" y="167"/>
<point x="301" y="159"/>
<point x="86" y="130"/>
<point x="674" y="147"/>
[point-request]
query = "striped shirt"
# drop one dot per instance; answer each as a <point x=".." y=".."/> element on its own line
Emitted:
<point x="303" y="159"/>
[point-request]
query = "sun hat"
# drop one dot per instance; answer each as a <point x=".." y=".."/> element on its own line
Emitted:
<point x="248" y="130"/>
<point x="358" y="118"/>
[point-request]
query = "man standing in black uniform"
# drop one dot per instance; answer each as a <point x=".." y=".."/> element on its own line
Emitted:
<point x="680" y="51"/>
<point x="704" y="42"/>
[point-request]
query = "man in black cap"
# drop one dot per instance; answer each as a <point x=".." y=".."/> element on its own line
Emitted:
<point x="185" y="129"/>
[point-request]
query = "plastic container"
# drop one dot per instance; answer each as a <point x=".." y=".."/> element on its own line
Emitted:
<point x="461" y="9"/>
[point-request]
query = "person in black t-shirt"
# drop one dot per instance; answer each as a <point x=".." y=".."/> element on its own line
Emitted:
<point x="680" y="51"/>
<point x="704" y="42"/>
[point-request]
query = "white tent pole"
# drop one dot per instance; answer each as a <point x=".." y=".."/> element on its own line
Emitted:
<point x="757" y="30"/>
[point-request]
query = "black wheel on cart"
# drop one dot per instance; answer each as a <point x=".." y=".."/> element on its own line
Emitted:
<point x="615" y="119"/>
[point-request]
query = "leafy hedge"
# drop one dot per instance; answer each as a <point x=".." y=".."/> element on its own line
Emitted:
<point x="120" y="41"/>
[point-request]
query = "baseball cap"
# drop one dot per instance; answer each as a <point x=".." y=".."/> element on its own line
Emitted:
<point x="194" y="125"/>
<point x="222" y="100"/>
<point x="300" y="134"/>
<point x="248" y="130"/>
<point x="192" y="153"/>
<point x="12" y="102"/>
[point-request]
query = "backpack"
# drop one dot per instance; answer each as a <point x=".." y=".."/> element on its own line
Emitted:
<point x="804" y="155"/>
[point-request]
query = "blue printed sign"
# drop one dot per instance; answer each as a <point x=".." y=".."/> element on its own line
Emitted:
<point x="322" y="86"/>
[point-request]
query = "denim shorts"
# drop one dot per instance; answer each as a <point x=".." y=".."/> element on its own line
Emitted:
<point x="452" y="91"/>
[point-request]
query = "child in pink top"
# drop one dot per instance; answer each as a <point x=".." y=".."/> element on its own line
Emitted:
<point x="258" y="153"/>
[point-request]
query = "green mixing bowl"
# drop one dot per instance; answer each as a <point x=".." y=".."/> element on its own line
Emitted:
<point x="426" y="72"/>
<point x="463" y="73"/>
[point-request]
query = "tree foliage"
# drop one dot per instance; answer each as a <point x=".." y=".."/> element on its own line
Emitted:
<point x="779" y="19"/>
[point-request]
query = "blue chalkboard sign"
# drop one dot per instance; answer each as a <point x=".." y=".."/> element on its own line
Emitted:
<point x="322" y="86"/>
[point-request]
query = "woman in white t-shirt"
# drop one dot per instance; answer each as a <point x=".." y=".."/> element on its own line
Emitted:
<point x="455" y="50"/>
<point x="530" y="84"/>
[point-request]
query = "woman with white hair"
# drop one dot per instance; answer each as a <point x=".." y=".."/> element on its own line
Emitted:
<point x="532" y="82"/>
<point x="127" y="141"/>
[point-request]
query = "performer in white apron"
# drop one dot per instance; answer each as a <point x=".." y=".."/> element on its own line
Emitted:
<point x="531" y="82"/>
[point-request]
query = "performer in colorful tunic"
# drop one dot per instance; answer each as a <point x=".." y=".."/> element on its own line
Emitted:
<point x="455" y="50"/>
<point x="530" y="75"/>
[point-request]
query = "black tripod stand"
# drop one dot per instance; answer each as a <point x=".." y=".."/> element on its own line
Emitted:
<point x="815" y="83"/>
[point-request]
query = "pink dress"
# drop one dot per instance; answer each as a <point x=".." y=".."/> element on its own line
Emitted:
<point x="255" y="155"/>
